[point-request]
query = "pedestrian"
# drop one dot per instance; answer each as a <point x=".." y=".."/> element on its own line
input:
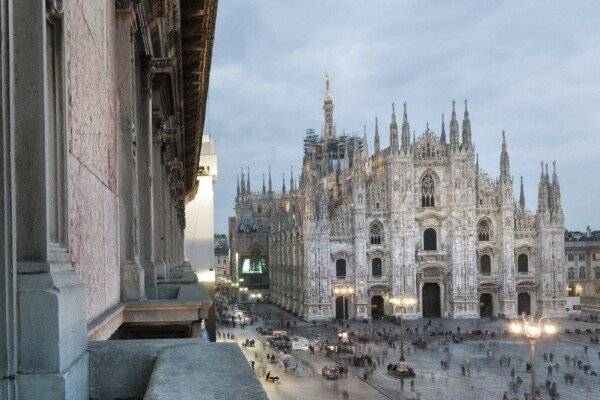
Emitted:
<point x="402" y="384"/>
<point x="252" y="363"/>
<point x="585" y="349"/>
<point x="549" y="370"/>
<point x="512" y="373"/>
<point x="412" y="385"/>
<point x="505" y="396"/>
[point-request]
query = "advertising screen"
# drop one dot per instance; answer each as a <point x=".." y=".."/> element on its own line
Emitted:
<point x="253" y="266"/>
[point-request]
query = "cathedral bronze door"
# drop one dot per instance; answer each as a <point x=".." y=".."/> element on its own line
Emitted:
<point x="524" y="303"/>
<point x="341" y="307"/>
<point x="486" y="305"/>
<point x="377" y="310"/>
<point x="431" y="300"/>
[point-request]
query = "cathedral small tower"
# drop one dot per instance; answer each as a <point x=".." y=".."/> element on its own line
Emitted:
<point x="393" y="130"/>
<point x="504" y="160"/>
<point x="328" y="129"/>
<point x="405" y="130"/>
<point x="377" y="139"/>
<point x="453" y="128"/>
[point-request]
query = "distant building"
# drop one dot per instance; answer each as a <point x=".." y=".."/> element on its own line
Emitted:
<point x="199" y="230"/>
<point x="221" y="259"/>
<point x="582" y="255"/>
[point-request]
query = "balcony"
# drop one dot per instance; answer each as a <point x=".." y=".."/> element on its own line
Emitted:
<point x="431" y="256"/>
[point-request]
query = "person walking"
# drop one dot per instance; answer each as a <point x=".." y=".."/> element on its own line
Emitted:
<point x="412" y="385"/>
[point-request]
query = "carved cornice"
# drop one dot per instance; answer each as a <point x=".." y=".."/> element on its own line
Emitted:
<point x="55" y="8"/>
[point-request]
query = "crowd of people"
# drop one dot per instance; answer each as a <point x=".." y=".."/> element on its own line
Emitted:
<point x="373" y="346"/>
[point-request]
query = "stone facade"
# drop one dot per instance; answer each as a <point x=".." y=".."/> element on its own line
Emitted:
<point x="101" y="139"/>
<point x="417" y="218"/>
<point x="582" y="263"/>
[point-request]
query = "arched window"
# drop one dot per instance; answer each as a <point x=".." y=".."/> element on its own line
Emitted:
<point x="340" y="268"/>
<point x="376" y="269"/>
<point x="376" y="231"/>
<point x="523" y="264"/>
<point x="485" y="265"/>
<point x="484" y="231"/>
<point x="581" y="272"/>
<point x="427" y="191"/>
<point x="429" y="239"/>
<point x="597" y="273"/>
<point x="571" y="274"/>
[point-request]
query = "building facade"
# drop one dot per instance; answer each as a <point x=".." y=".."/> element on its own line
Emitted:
<point x="103" y="106"/>
<point x="416" y="218"/>
<point x="200" y="211"/>
<point x="582" y="255"/>
<point x="221" y="263"/>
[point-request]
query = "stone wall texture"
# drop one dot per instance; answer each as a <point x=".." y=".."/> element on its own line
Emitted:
<point x="92" y="160"/>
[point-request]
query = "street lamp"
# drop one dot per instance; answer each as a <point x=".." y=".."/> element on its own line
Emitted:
<point x="402" y="302"/>
<point x="343" y="291"/>
<point x="532" y="328"/>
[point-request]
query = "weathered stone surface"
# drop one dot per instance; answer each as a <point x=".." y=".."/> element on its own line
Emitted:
<point x="203" y="371"/>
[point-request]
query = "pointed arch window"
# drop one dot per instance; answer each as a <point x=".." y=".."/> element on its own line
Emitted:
<point x="427" y="191"/>
<point x="376" y="268"/>
<point x="597" y="273"/>
<point x="340" y="268"/>
<point x="376" y="232"/>
<point x="571" y="273"/>
<point x="485" y="265"/>
<point x="430" y="239"/>
<point x="484" y="231"/>
<point x="523" y="264"/>
<point x="581" y="272"/>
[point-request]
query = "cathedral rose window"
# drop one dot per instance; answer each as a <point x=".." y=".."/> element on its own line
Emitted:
<point x="427" y="191"/>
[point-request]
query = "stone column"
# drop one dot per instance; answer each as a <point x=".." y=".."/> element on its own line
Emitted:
<point x="8" y="263"/>
<point x="157" y="201"/>
<point x="132" y="274"/>
<point x="51" y="320"/>
<point x="145" y="163"/>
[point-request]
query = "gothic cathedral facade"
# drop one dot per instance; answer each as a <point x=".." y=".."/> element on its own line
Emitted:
<point x="418" y="218"/>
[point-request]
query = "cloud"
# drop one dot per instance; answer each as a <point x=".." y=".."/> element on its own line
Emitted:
<point x="532" y="69"/>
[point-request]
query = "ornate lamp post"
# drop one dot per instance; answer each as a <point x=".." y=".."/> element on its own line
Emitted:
<point x="343" y="291"/>
<point x="533" y="329"/>
<point x="402" y="302"/>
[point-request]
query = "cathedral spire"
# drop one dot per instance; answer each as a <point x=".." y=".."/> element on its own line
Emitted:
<point x="522" y="196"/>
<point x="237" y="179"/>
<point x="466" y="128"/>
<point x="365" y="141"/>
<point x="248" y="180"/>
<point x="292" y="185"/>
<point x="283" y="182"/>
<point x="270" y="182"/>
<point x="405" y="129"/>
<point x="329" y="128"/>
<point x="377" y="140"/>
<point x="393" y="130"/>
<point x="504" y="160"/>
<point x="243" y="181"/>
<point x="264" y="187"/>
<point x="453" y="127"/>
<point x="542" y="192"/>
<point x="555" y="189"/>
<point x="443" y="135"/>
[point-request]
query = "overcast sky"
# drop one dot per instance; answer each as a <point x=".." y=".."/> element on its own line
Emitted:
<point x="531" y="68"/>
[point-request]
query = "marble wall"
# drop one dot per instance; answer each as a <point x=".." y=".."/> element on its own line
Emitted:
<point x="92" y="144"/>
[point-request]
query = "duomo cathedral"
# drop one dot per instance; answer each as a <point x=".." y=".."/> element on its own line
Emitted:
<point x="419" y="218"/>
